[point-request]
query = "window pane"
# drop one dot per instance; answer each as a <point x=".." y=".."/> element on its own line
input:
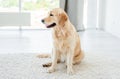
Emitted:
<point x="31" y="5"/>
<point x="9" y="5"/>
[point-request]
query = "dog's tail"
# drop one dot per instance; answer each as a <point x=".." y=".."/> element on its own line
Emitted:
<point x="46" y="55"/>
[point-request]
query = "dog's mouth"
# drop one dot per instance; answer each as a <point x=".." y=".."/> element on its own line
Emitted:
<point x="51" y="25"/>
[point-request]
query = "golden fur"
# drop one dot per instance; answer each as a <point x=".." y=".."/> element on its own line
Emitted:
<point x="66" y="41"/>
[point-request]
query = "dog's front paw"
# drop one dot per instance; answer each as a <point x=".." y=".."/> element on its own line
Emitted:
<point x="70" y="71"/>
<point x="50" y="70"/>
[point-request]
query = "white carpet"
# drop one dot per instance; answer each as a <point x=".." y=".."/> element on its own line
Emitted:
<point x="27" y="66"/>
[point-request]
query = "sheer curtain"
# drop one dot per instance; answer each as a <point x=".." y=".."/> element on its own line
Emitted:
<point x="74" y="9"/>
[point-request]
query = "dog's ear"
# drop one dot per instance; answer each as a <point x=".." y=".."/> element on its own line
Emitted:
<point x="63" y="18"/>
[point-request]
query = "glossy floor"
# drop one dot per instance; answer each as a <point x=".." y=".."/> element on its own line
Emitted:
<point x="37" y="41"/>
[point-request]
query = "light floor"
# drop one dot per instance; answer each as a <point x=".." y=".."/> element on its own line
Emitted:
<point x="18" y="50"/>
<point x="40" y="41"/>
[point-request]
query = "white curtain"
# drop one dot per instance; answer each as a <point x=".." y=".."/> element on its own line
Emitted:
<point x="74" y="9"/>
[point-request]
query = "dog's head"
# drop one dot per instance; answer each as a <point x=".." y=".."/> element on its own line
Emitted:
<point x="56" y="18"/>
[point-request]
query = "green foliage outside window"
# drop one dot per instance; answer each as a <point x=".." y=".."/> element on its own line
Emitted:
<point x="9" y="3"/>
<point x="40" y="4"/>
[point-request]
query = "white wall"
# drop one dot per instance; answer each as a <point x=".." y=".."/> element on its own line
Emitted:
<point x="112" y="17"/>
<point x="92" y="14"/>
<point x="102" y="14"/>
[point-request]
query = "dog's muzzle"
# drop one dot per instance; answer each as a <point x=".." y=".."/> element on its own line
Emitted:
<point x="48" y="26"/>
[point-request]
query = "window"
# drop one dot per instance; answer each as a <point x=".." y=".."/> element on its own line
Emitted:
<point x="37" y="9"/>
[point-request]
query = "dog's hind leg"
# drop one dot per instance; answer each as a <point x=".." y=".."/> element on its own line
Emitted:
<point x="77" y="59"/>
<point x="48" y="55"/>
<point x="50" y="63"/>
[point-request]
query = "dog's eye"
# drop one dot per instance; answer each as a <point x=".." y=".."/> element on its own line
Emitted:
<point x="51" y="14"/>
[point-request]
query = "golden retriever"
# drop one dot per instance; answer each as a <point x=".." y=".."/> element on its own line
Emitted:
<point x="66" y="41"/>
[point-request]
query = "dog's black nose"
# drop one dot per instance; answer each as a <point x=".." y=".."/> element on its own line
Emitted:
<point x="42" y="21"/>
